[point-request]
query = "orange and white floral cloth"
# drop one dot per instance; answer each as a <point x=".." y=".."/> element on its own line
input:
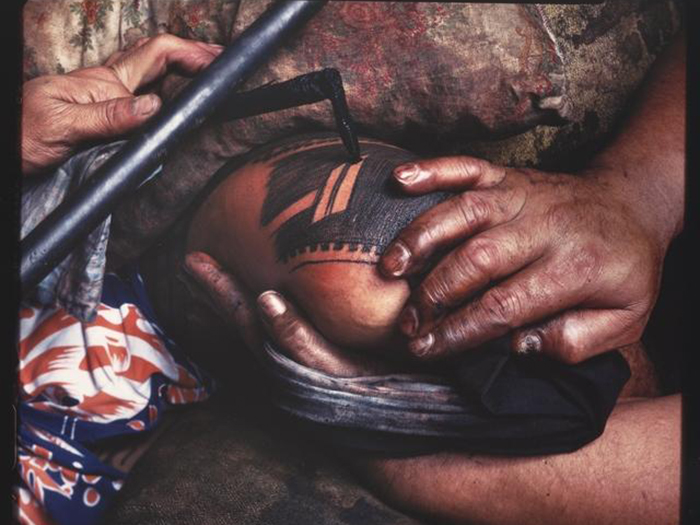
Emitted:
<point x="84" y="383"/>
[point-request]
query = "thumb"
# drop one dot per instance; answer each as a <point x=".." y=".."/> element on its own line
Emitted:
<point x="112" y="118"/>
<point x="302" y="342"/>
<point x="578" y="335"/>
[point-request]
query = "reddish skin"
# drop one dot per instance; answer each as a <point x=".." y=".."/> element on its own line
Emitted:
<point x="227" y="227"/>
<point x="62" y="112"/>
<point x="570" y="265"/>
<point x="349" y="304"/>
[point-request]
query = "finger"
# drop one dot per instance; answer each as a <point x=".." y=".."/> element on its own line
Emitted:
<point x="529" y="296"/>
<point x="230" y="298"/>
<point x="118" y="55"/>
<point x="301" y="341"/>
<point x="577" y="335"/>
<point x="111" y="118"/>
<point x="113" y="58"/>
<point x="448" y="173"/>
<point x="144" y="64"/>
<point x="444" y="225"/>
<point x="465" y="271"/>
<point x="96" y="84"/>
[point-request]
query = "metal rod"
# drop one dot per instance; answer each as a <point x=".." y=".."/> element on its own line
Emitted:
<point x="56" y="236"/>
<point x="310" y="88"/>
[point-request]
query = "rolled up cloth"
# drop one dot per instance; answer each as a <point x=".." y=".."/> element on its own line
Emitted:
<point x="495" y="403"/>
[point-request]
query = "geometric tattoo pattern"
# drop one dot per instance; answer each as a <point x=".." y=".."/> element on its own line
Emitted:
<point x="321" y="208"/>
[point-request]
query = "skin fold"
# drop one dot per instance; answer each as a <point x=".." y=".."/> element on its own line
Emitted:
<point x="631" y="474"/>
<point x="62" y="113"/>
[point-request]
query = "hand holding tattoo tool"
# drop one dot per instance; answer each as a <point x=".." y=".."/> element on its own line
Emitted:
<point x="62" y="230"/>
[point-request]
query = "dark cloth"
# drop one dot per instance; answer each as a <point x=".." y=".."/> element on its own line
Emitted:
<point x="493" y="402"/>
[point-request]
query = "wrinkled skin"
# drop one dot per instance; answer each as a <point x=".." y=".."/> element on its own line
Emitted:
<point x="570" y="264"/>
<point x="61" y="113"/>
<point x="583" y="255"/>
<point x="522" y="246"/>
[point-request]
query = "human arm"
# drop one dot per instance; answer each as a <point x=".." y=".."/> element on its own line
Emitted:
<point x="630" y="475"/>
<point x="60" y="113"/>
<point x="569" y="264"/>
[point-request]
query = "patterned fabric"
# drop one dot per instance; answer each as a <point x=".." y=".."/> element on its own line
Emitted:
<point x="461" y="76"/>
<point x="63" y="35"/>
<point x="84" y="383"/>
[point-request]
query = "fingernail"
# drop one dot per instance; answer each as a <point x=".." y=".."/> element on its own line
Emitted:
<point x="530" y="344"/>
<point x="410" y="174"/>
<point x="272" y="304"/>
<point x="421" y="346"/>
<point x="144" y="105"/>
<point x="408" y="321"/>
<point x="395" y="259"/>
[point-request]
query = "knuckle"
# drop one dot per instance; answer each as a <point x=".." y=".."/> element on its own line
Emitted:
<point x="502" y="307"/>
<point x="573" y="348"/>
<point x="474" y="210"/>
<point x="418" y="237"/>
<point x="478" y="257"/>
<point x="433" y="292"/>
<point x="586" y="262"/>
<point x="468" y="166"/>
<point x="452" y="336"/>
<point x="291" y="332"/>
<point x="164" y="40"/>
<point x="112" y="113"/>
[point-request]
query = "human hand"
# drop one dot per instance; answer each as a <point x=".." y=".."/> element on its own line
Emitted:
<point x="280" y="320"/>
<point x="62" y="112"/>
<point x="566" y="263"/>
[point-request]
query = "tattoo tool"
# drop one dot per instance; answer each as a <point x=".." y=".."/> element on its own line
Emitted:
<point x="310" y="88"/>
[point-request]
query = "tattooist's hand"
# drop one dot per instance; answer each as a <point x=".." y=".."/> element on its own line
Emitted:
<point x="62" y="112"/>
<point x="566" y="263"/>
<point x="280" y="320"/>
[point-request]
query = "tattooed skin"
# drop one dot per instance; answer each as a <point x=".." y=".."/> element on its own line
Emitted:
<point x="297" y="216"/>
<point x="319" y="207"/>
